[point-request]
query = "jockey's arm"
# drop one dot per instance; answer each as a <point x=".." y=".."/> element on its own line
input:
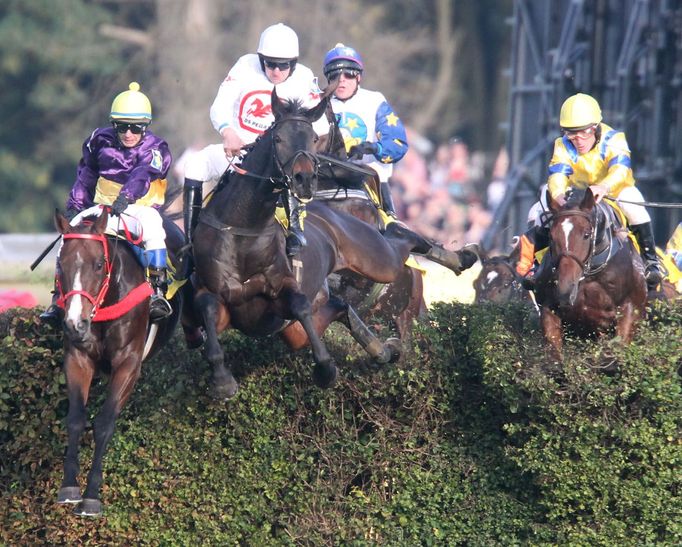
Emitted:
<point x="391" y="135"/>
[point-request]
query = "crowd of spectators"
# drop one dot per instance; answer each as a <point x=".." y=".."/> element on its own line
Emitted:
<point x="448" y="193"/>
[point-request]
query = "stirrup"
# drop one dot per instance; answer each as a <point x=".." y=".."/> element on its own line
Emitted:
<point x="159" y="308"/>
<point x="295" y="242"/>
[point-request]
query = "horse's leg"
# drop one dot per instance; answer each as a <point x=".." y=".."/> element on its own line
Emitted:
<point x="324" y="373"/>
<point x="215" y="318"/>
<point x="457" y="261"/>
<point x="125" y="372"/>
<point x="625" y="325"/>
<point x="79" y="370"/>
<point x="382" y="353"/>
<point x="552" y="330"/>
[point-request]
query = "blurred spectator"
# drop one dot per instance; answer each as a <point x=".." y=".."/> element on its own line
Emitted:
<point x="497" y="187"/>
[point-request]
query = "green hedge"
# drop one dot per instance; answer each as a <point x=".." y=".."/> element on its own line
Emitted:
<point x="474" y="438"/>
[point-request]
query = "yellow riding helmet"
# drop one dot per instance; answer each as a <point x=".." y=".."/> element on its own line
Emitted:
<point x="131" y="106"/>
<point x="579" y="111"/>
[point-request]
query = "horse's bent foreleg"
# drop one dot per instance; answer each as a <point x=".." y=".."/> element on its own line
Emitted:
<point x="324" y="373"/>
<point x="125" y="373"/>
<point x="382" y="353"/>
<point x="79" y="370"/>
<point x="552" y="330"/>
<point x="214" y="315"/>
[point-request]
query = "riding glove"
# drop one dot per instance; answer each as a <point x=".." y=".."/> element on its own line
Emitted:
<point x="359" y="150"/>
<point x="119" y="205"/>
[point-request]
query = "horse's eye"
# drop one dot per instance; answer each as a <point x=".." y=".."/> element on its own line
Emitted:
<point x="278" y="139"/>
<point x="99" y="265"/>
<point x="316" y="139"/>
<point x="587" y="235"/>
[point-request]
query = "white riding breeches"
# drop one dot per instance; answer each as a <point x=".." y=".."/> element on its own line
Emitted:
<point x="207" y="164"/>
<point x="139" y="219"/>
<point x="635" y="214"/>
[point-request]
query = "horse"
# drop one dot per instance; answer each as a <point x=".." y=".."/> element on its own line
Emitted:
<point x="243" y="278"/>
<point x="347" y="187"/>
<point x="592" y="277"/>
<point x="105" y="295"/>
<point x="498" y="281"/>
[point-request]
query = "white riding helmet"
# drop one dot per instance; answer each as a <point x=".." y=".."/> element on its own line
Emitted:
<point x="278" y="42"/>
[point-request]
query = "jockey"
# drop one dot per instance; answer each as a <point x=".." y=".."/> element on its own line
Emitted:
<point x="373" y="134"/>
<point x="125" y="168"/>
<point x="241" y="112"/>
<point x="590" y="153"/>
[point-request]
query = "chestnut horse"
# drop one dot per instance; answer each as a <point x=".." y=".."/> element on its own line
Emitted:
<point x="244" y="279"/>
<point x="105" y="295"/>
<point x="592" y="278"/>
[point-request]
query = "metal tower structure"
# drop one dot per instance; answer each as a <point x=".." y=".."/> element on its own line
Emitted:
<point x="628" y="55"/>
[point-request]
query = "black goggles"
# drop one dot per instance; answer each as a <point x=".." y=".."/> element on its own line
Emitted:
<point x="136" y="128"/>
<point x="272" y="65"/>
<point x="348" y="74"/>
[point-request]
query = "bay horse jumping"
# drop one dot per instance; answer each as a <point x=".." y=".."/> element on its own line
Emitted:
<point x="592" y="277"/>
<point x="105" y="295"/>
<point x="243" y="278"/>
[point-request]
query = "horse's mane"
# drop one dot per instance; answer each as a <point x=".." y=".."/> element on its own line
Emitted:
<point x="292" y="107"/>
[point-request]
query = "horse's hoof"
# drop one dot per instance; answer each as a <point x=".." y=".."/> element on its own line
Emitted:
<point x="69" y="494"/>
<point x="89" y="507"/>
<point x="396" y="348"/>
<point x="324" y="375"/>
<point x="226" y="390"/>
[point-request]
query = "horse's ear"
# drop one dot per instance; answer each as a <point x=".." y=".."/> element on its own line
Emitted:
<point x="316" y="112"/>
<point x="587" y="204"/>
<point x="275" y="103"/>
<point x="101" y="223"/>
<point x="61" y="222"/>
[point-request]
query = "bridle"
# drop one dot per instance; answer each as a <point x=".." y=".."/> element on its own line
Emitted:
<point x="96" y="301"/>
<point x="283" y="180"/>
<point x="585" y="263"/>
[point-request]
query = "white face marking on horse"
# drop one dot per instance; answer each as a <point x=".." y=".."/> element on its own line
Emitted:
<point x="74" y="306"/>
<point x="567" y="226"/>
<point x="491" y="277"/>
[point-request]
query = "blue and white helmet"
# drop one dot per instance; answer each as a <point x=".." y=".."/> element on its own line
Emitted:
<point x="342" y="57"/>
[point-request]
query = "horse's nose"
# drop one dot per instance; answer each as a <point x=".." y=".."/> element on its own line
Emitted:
<point x="77" y="330"/>
<point x="305" y="184"/>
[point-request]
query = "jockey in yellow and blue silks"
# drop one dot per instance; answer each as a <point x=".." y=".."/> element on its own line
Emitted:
<point x="125" y="167"/>
<point x="590" y="153"/>
<point x="372" y="132"/>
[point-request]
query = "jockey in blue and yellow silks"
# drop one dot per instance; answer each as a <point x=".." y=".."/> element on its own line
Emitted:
<point x="372" y="132"/>
<point x="590" y="153"/>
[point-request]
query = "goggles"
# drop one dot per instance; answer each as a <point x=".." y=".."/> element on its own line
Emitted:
<point x="348" y="74"/>
<point x="272" y="65"/>
<point x="584" y="133"/>
<point x="135" y="128"/>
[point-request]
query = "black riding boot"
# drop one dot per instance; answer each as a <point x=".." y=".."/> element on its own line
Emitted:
<point x="387" y="200"/>
<point x="159" y="307"/>
<point x="192" y="197"/>
<point x="647" y="248"/>
<point x="53" y="315"/>
<point x="295" y="238"/>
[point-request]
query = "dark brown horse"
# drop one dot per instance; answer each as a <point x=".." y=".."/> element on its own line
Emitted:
<point x="498" y="282"/>
<point x="105" y="295"/>
<point x="592" y="278"/>
<point x="243" y="277"/>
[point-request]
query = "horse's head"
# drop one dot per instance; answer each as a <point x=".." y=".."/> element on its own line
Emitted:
<point x="83" y="273"/>
<point x="294" y="142"/>
<point x="498" y="281"/>
<point x="572" y="240"/>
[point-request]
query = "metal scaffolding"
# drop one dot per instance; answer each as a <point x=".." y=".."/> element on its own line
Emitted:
<point x="628" y="55"/>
